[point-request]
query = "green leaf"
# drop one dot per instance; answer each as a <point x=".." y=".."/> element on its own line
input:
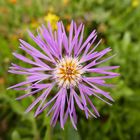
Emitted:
<point x="15" y="135"/>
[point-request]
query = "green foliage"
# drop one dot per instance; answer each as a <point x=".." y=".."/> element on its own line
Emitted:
<point x="118" y="23"/>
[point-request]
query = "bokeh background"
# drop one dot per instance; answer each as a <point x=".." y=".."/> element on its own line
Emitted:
<point x="118" y="24"/>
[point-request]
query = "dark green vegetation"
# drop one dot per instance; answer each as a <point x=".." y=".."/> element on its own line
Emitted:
<point x="118" y="24"/>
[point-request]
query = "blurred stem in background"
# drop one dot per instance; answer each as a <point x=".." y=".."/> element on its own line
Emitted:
<point x="48" y="134"/>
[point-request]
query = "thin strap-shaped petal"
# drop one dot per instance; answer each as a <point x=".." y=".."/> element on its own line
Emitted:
<point x="62" y="108"/>
<point x="17" y="67"/>
<point x="78" y="100"/>
<point x="96" y="55"/>
<point x="103" y="77"/>
<point x="82" y="95"/>
<point x="80" y="42"/>
<point x="32" y="50"/>
<point x="72" y="108"/>
<point x="65" y="39"/>
<point x="57" y="110"/>
<point x="74" y="115"/>
<point x="44" y="98"/>
<point x="42" y="45"/>
<point x="24" y="59"/>
<point x="87" y="41"/>
<point x="92" y="91"/>
<point x="93" y="107"/>
<point x="49" y="102"/>
<point x="20" y="72"/>
<point x="95" y="45"/>
<point x="109" y="67"/>
<point x="40" y="42"/>
<point x="67" y="109"/>
<point x="28" y="94"/>
<point x="73" y="123"/>
<point x="97" y="90"/>
<point x="86" y="54"/>
<point x="100" y="82"/>
<point x="60" y="36"/>
<point x="46" y="92"/>
<point x="42" y="63"/>
<point x="90" y="113"/>
<point x="70" y="35"/>
<point x="27" y="82"/>
<point x="53" y="107"/>
<point x="98" y="70"/>
<point x="83" y="99"/>
<point x="74" y="41"/>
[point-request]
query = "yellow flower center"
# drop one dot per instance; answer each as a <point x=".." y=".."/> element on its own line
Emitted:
<point x="68" y="72"/>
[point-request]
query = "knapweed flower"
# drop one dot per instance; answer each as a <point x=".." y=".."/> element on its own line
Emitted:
<point x="62" y="68"/>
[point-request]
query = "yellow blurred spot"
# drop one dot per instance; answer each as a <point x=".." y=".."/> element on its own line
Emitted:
<point x="13" y="1"/>
<point x="14" y="37"/>
<point x="68" y="17"/>
<point x="53" y="19"/>
<point x="34" y="23"/>
<point x="65" y="2"/>
<point x="102" y="28"/>
<point x="2" y="80"/>
<point x="4" y="10"/>
<point x="51" y="9"/>
<point x="135" y="3"/>
<point x="68" y="27"/>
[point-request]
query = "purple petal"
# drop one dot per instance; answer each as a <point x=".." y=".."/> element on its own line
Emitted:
<point x="87" y="41"/>
<point x="93" y="107"/>
<point x="44" y="98"/>
<point x="80" y="42"/>
<point x="62" y="108"/>
<point x="78" y="100"/>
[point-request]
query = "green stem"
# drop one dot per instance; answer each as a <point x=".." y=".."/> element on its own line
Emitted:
<point x="48" y="135"/>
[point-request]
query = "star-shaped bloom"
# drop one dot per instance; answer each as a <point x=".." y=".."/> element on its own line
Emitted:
<point x="62" y="67"/>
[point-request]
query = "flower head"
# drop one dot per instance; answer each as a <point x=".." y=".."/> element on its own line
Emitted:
<point x="64" y="63"/>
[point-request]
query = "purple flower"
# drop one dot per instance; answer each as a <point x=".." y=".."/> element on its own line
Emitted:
<point x="62" y="68"/>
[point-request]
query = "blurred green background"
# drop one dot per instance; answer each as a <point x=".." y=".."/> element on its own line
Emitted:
<point x="118" y="24"/>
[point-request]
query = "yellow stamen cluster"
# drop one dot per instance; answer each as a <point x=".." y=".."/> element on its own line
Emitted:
<point x="68" y="72"/>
